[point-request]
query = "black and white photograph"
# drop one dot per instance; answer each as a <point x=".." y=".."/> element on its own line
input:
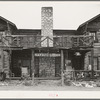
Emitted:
<point x="49" y="48"/>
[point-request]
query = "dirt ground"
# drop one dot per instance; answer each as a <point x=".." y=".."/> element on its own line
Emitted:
<point x="47" y="88"/>
<point x="43" y="85"/>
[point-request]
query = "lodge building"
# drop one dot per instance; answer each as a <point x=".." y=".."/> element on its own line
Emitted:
<point x="48" y="52"/>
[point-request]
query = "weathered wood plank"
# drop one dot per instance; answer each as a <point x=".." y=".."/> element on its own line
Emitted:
<point x="92" y="62"/>
<point x="32" y="65"/>
<point x="62" y="67"/>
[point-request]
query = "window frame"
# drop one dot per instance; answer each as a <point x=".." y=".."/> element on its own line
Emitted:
<point x="97" y="61"/>
<point x="94" y="34"/>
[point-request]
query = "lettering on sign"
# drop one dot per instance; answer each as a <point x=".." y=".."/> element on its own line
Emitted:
<point x="47" y="54"/>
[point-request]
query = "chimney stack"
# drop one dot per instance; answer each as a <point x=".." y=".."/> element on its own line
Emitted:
<point x="47" y="25"/>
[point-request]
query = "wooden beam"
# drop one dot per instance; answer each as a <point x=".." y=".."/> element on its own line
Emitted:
<point x="46" y="36"/>
<point x="62" y="68"/>
<point x="40" y="42"/>
<point x="2" y="57"/>
<point x="32" y="65"/>
<point x="92" y="62"/>
<point x="48" y="42"/>
<point x="66" y="59"/>
<point x="10" y="61"/>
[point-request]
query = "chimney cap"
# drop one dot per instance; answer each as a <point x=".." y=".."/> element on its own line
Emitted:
<point x="47" y="7"/>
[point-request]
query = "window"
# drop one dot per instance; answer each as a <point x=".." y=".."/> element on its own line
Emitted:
<point x="96" y="64"/>
<point x="93" y="33"/>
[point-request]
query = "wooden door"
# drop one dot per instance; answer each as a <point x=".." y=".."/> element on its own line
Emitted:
<point x="16" y="69"/>
<point x="57" y="66"/>
<point x="36" y="67"/>
<point x="96" y="63"/>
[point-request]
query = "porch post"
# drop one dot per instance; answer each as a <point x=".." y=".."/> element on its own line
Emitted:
<point x="62" y="66"/>
<point x="10" y="53"/>
<point x="92" y="62"/>
<point x="2" y="59"/>
<point x="32" y="65"/>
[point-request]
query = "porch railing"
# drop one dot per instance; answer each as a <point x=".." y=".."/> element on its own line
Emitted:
<point x="31" y="41"/>
<point x="74" y="41"/>
<point x="82" y="74"/>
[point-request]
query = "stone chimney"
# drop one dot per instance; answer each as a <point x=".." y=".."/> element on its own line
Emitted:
<point x="47" y="25"/>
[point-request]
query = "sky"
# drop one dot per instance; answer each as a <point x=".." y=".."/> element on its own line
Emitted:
<point x="66" y="14"/>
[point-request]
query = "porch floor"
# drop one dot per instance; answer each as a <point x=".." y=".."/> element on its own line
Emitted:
<point x="38" y="78"/>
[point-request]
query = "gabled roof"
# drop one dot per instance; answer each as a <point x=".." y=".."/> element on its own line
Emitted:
<point x="90" y="20"/>
<point x="7" y="21"/>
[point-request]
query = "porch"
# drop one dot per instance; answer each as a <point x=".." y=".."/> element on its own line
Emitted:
<point x="46" y="63"/>
<point x="82" y="75"/>
<point x="53" y="55"/>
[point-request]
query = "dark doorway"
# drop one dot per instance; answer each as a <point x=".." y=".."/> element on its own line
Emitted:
<point x="57" y="66"/>
<point x="78" y="61"/>
<point x="16" y="67"/>
<point x="21" y="61"/>
<point x="36" y="67"/>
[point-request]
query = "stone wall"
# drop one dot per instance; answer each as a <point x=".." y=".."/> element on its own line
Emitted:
<point x="1" y="60"/>
<point x="4" y="61"/>
<point x="86" y="61"/>
<point x="47" y="67"/>
<point x="6" y="65"/>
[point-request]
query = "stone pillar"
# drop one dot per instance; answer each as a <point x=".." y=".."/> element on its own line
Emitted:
<point x="1" y="59"/>
<point x="86" y="61"/>
<point x="6" y="61"/>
